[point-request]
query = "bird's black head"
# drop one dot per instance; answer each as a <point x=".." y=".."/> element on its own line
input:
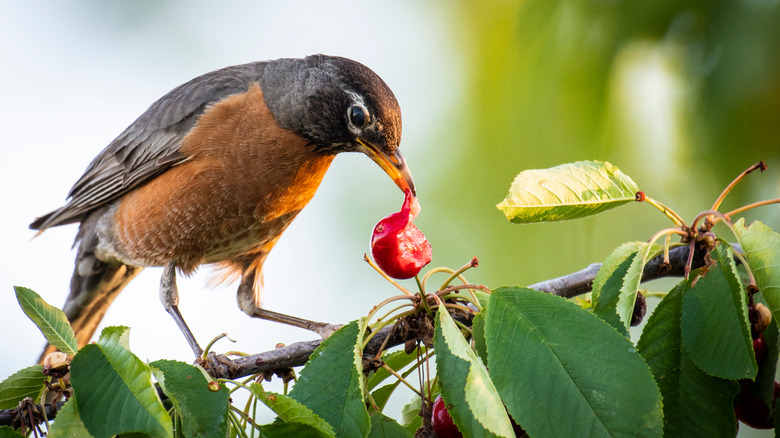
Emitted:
<point x="339" y="105"/>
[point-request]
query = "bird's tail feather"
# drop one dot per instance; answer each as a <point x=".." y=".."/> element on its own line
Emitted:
<point x="94" y="286"/>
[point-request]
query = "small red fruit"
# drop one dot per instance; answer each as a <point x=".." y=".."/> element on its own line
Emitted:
<point x="398" y="247"/>
<point x="442" y="422"/>
<point x="750" y="409"/>
<point x="760" y="348"/>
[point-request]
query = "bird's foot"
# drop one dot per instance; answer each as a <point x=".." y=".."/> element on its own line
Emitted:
<point x="325" y="329"/>
<point x="218" y="365"/>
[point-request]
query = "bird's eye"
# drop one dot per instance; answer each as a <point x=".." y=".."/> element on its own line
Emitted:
<point x="358" y="115"/>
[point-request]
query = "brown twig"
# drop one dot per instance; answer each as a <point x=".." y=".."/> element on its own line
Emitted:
<point x="297" y="354"/>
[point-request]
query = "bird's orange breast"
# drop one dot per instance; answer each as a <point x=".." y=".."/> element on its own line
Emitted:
<point x="243" y="183"/>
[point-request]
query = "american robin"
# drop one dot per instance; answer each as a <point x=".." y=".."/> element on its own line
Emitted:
<point x="213" y="173"/>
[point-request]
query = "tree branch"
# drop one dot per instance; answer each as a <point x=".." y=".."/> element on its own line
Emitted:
<point x="568" y="286"/>
<point x="297" y="354"/>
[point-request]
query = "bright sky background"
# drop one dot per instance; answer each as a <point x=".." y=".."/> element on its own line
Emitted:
<point x="74" y="75"/>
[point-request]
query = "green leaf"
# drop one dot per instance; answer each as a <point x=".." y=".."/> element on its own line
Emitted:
<point x="27" y="382"/>
<point x="331" y="384"/>
<point x="385" y="427"/>
<point x="276" y="430"/>
<point x="203" y="412"/>
<point x="68" y="423"/>
<point x="695" y="404"/>
<point x="762" y="250"/>
<point x="715" y="329"/>
<point x="546" y="353"/>
<point x="477" y="409"/>
<point x="631" y="282"/>
<point x="478" y="332"/>
<point x="290" y="410"/>
<point x="9" y="432"/>
<point x="568" y="191"/>
<point x="114" y="390"/>
<point x="609" y="284"/>
<point x="382" y="394"/>
<point x="50" y="320"/>
<point x="410" y="414"/>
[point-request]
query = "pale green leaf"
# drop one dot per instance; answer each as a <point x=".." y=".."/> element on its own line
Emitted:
<point x="69" y="424"/>
<point x="27" y="382"/>
<point x="762" y="249"/>
<point x="630" y="287"/>
<point x="477" y="409"/>
<point x="50" y="320"/>
<point x="114" y="390"/>
<point x="410" y="414"/>
<point x="290" y="410"/>
<point x="568" y="191"/>
<point x="609" y="283"/>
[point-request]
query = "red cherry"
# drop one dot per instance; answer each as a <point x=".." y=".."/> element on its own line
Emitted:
<point x="442" y="422"/>
<point x="398" y="247"/>
<point x="760" y="348"/>
<point x="751" y="410"/>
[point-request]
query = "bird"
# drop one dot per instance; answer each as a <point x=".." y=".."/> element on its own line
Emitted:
<point x="213" y="172"/>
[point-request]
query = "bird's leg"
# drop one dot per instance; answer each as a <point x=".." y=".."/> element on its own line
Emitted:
<point x="249" y="302"/>
<point x="169" y="295"/>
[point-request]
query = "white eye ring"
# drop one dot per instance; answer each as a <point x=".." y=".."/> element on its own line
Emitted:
<point x="358" y="115"/>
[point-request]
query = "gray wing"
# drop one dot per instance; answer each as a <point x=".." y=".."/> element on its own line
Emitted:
<point x="150" y="145"/>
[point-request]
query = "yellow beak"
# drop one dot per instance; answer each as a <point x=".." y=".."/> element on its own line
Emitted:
<point x="394" y="165"/>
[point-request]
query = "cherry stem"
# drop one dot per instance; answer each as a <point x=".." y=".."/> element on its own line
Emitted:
<point x="428" y="368"/>
<point x="378" y="354"/>
<point x="384" y="303"/>
<point x="472" y="264"/>
<point x="666" y="248"/>
<point x="420" y="284"/>
<point x="753" y="205"/>
<point x="249" y="404"/>
<point x="384" y="324"/>
<point x="238" y="386"/>
<point x="689" y="262"/>
<point x="435" y="271"/>
<point x="387" y="277"/>
<point x="244" y="416"/>
<point x="44" y="393"/>
<point x="393" y="310"/>
<point x="236" y="353"/>
<point x="470" y="287"/>
<point x="457" y="307"/>
<point x="667" y="211"/>
<point x="371" y="400"/>
<point x="660" y="295"/>
<point x="758" y="166"/>
<point x="743" y="260"/>
<point x="213" y="341"/>
<point x="709" y="222"/>
<point x="668" y="233"/>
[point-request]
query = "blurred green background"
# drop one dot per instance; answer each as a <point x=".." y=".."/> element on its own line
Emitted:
<point x="681" y="96"/>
